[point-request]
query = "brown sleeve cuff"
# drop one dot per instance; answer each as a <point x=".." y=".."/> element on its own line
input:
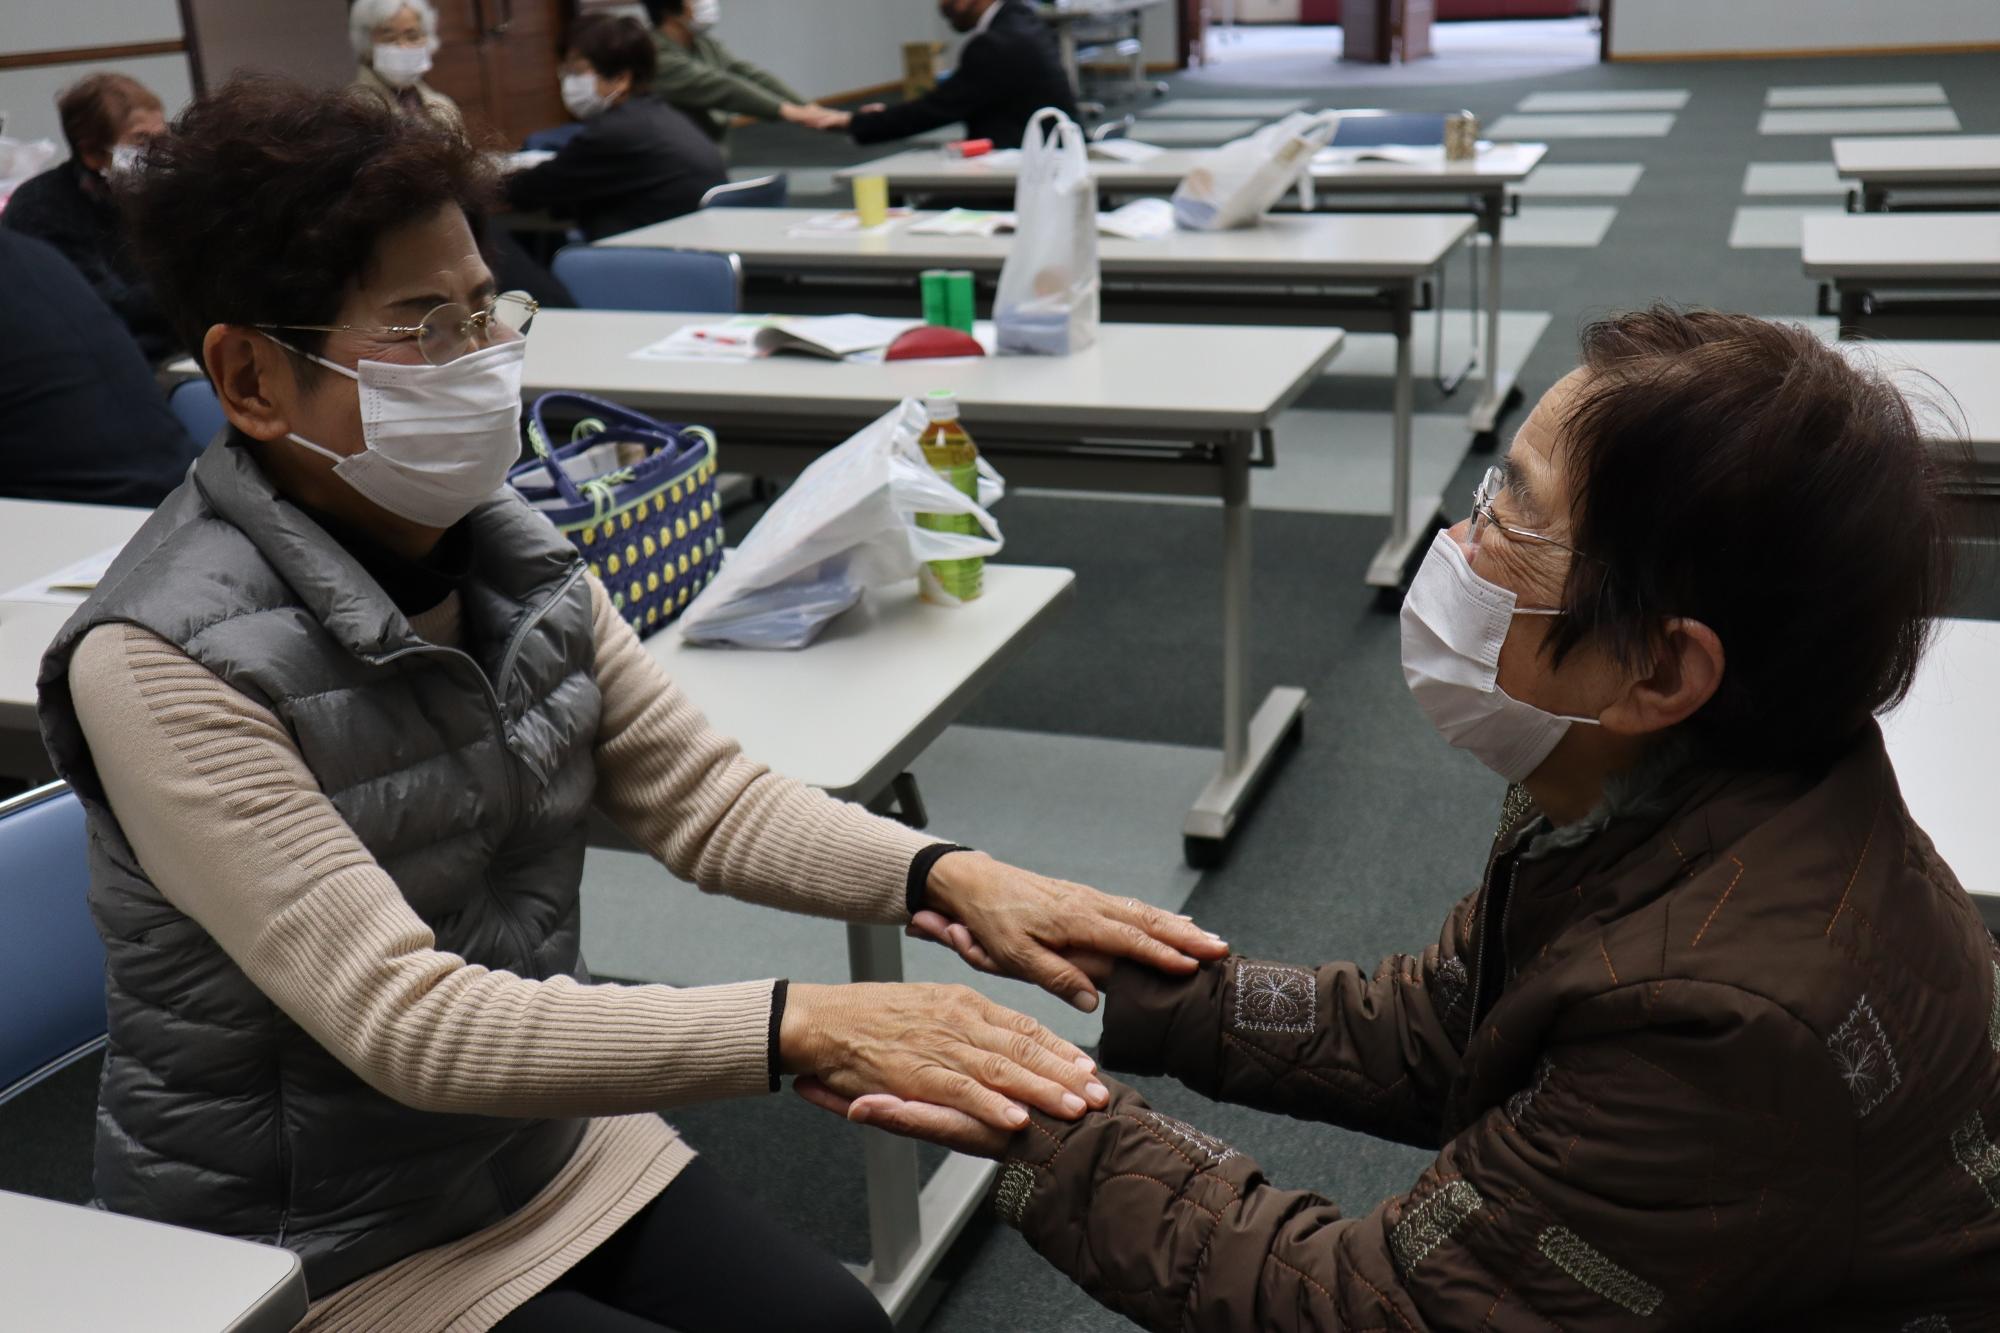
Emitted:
<point x="1155" y="1023"/>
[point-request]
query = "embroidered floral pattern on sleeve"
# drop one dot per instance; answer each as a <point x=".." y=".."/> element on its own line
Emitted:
<point x="1582" y="1261"/>
<point x="1271" y="997"/>
<point x="1976" y="1153"/>
<point x="1519" y="1104"/>
<point x="1010" y="1196"/>
<point x="1451" y="990"/>
<point x="1212" y="1152"/>
<point x="1930" y="1323"/>
<point x="1993" y="1014"/>
<point x="1429" y="1222"/>
<point x="1863" y="1058"/>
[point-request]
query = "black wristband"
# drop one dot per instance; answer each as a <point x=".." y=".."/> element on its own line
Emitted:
<point x="778" y="993"/>
<point x="920" y="872"/>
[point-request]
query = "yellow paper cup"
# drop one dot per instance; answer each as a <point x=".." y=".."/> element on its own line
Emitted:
<point x="871" y="200"/>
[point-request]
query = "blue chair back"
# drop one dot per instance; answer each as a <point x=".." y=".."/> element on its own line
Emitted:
<point x="195" y="406"/>
<point x="620" y="278"/>
<point x="1375" y="129"/>
<point x="551" y="139"/>
<point x="757" y="192"/>
<point x="51" y="959"/>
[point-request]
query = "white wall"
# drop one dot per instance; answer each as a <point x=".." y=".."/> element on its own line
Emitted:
<point x="28" y="96"/>
<point x="1664" y="27"/>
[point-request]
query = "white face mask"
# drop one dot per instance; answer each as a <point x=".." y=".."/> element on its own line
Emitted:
<point x="580" y="96"/>
<point x="440" y="439"/>
<point x="124" y="161"/>
<point x="401" y="66"/>
<point x="704" y="14"/>
<point x="1453" y="624"/>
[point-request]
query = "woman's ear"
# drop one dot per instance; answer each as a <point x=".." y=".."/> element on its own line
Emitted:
<point x="619" y="87"/>
<point x="1685" y="674"/>
<point x="243" y="366"/>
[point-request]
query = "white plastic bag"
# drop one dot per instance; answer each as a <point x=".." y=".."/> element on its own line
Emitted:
<point x="846" y="525"/>
<point x="1242" y="179"/>
<point x="1047" y="301"/>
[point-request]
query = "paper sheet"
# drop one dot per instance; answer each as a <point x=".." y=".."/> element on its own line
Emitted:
<point x="68" y="586"/>
<point x="1125" y="150"/>
<point x="964" y="222"/>
<point x="846" y="223"/>
<point x="749" y="337"/>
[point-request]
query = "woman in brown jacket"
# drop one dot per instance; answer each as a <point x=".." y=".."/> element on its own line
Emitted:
<point x="1716" y="1042"/>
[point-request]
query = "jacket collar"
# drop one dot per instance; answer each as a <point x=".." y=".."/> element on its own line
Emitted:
<point x="517" y="557"/>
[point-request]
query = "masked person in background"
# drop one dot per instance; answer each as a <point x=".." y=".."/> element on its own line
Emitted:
<point x="637" y="160"/>
<point x="339" y="713"/>
<point x="394" y="40"/>
<point x="702" y="77"/>
<point x="1716" y="1042"/>
<point x="108" y="120"/>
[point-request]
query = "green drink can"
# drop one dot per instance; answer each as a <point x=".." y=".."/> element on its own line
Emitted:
<point x="958" y="294"/>
<point x="935" y="286"/>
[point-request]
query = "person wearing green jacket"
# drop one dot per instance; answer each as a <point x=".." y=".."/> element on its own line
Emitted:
<point x="700" y="75"/>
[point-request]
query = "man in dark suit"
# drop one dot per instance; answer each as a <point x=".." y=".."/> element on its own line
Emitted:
<point x="1009" y="68"/>
<point x="80" y="415"/>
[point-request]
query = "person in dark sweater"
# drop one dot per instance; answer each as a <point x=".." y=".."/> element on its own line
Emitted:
<point x="638" y="160"/>
<point x="108" y="119"/>
<point x="1009" y="69"/>
<point x="80" y="416"/>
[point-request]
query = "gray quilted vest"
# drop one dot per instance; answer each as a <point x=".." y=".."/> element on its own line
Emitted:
<point x="467" y="774"/>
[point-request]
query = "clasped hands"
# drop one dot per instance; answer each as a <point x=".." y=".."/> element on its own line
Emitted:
<point x="816" y="117"/>
<point x="944" y="1063"/>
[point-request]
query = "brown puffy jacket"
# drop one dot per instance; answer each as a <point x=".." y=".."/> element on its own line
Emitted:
<point x="1735" y="1064"/>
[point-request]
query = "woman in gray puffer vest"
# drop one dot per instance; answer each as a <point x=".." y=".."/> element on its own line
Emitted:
<point x="338" y="715"/>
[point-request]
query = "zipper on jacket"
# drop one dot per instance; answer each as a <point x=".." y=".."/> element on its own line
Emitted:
<point x="1485" y="928"/>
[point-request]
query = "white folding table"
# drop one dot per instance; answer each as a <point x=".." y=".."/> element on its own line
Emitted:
<point x="1358" y="270"/>
<point x="65" y="1268"/>
<point x="1941" y="739"/>
<point x="1959" y="379"/>
<point x="1478" y="186"/>
<point x="1879" y="265"/>
<point x="1150" y="409"/>
<point x="1965" y="165"/>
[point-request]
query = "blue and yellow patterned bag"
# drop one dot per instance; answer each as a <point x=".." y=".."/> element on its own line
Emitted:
<point x="636" y="496"/>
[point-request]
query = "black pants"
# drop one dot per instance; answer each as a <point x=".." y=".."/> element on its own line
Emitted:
<point x="701" y="1259"/>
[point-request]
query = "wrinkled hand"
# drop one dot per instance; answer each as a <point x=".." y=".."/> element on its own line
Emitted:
<point x="1058" y="935"/>
<point x="874" y="108"/>
<point x="916" y="1120"/>
<point x="947" y="1046"/>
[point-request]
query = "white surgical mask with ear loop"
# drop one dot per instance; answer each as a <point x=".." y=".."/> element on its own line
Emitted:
<point x="124" y="161"/>
<point x="401" y="66"/>
<point x="440" y="439"/>
<point x="1453" y="624"/>
<point x="580" y="96"/>
<point x="704" y="14"/>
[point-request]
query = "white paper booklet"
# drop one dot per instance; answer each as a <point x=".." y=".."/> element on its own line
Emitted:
<point x="1140" y="220"/>
<point x="964" y="222"/>
<point x="1125" y="150"/>
<point x="846" y="223"/>
<point x="68" y="586"/>
<point x="748" y="337"/>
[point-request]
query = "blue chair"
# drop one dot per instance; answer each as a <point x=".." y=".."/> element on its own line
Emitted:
<point x="757" y="192"/>
<point x="195" y="406"/>
<point x="621" y="278"/>
<point x="51" y="959"/>
<point x="1377" y="129"/>
<point x="551" y="139"/>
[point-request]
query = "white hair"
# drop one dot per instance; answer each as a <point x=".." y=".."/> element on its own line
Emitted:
<point x="368" y="15"/>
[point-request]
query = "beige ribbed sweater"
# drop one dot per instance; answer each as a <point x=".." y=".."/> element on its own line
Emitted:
<point x="231" y="826"/>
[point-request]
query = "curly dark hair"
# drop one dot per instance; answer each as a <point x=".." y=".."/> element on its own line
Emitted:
<point x="265" y="200"/>
<point x="1743" y="473"/>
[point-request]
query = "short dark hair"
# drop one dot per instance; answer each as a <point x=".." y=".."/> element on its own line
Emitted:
<point x="94" y="110"/>
<point x="265" y="200"/>
<point x="659" y="11"/>
<point x="615" y="44"/>
<point x="1745" y="474"/>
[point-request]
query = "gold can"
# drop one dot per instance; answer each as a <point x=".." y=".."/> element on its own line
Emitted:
<point x="1461" y="136"/>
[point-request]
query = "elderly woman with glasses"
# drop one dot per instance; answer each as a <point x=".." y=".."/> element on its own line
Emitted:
<point x="1715" y="1042"/>
<point x="394" y="41"/>
<point x="339" y="713"/>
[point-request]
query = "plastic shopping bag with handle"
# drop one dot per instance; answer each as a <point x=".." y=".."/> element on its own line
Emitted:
<point x="1047" y="301"/>
<point x="1241" y="180"/>
<point x="846" y="525"/>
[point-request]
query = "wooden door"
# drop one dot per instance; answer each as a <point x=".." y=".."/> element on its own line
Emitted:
<point x="498" y="59"/>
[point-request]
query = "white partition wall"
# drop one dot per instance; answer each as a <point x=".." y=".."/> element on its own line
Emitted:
<point x="1642" y="29"/>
